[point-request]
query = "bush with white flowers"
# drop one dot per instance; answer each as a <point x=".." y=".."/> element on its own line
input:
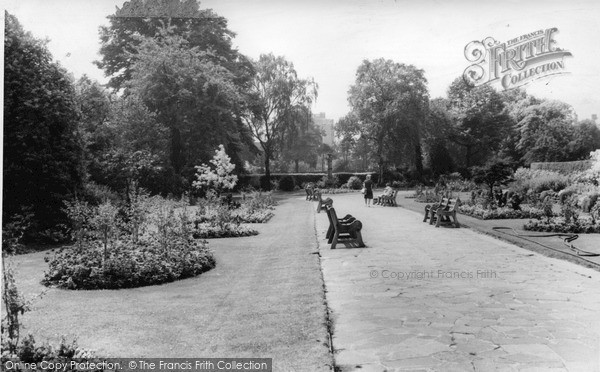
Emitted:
<point x="217" y="177"/>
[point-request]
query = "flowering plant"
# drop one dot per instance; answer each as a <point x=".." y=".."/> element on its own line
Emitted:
<point x="219" y="177"/>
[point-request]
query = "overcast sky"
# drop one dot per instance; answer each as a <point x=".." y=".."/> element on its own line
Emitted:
<point x="327" y="40"/>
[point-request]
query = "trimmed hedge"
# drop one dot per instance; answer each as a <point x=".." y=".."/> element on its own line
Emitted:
<point x="299" y="179"/>
<point x="564" y="167"/>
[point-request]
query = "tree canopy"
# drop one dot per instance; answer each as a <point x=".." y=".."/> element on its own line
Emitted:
<point x="276" y="93"/>
<point x="42" y="150"/>
<point x="390" y="101"/>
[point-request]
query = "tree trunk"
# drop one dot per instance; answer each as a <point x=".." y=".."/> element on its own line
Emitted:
<point x="468" y="156"/>
<point x="267" y="184"/>
<point x="419" y="160"/>
<point x="297" y="164"/>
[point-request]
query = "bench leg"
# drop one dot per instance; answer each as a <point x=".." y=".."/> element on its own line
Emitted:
<point x="335" y="239"/>
<point x="329" y="232"/>
<point x="427" y="207"/>
<point x="455" y="220"/>
<point x="361" y="244"/>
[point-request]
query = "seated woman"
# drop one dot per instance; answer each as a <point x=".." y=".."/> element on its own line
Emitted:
<point x="386" y="192"/>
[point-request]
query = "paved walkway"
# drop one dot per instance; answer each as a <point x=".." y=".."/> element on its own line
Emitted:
<point x="421" y="298"/>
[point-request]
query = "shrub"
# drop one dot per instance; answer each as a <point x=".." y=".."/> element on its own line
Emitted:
<point x="354" y="183"/>
<point x="112" y="258"/>
<point x="129" y="265"/>
<point x="218" y="178"/>
<point x="560" y="225"/>
<point x="286" y="183"/>
<point x="480" y="212"/>
<point x="28" y="352"/>
<point x="536" y="181"/>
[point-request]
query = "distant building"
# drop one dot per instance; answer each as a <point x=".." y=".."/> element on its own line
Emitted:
<point x="326" y="126"/>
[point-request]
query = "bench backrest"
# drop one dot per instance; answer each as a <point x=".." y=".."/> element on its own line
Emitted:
<point x="452" y="203"/>
<point x="332" y="216"/>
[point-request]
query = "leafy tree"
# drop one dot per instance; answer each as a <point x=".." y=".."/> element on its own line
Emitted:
<point x="479" y="120"/>
<point x="42" y="152"/>
<point x="276" y="93"/>
<point x="347" y="130"/>
<point x="201" y="28"/>
<point x="390" y="101"/>
<point x="197" y="99"/>
<point x="436" y="134"/>
<point x="494" y="172"/>
<point x="301" y="138"/>
<point x="586" y="138"/>
<point x="546" y="130"/>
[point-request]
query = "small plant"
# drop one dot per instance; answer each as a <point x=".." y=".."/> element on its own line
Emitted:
<point x="354" y="183"/>
<point x="219" y="177"/>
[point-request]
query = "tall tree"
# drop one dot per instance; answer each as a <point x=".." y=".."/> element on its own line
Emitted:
<point x="197" y="99"/>
<point x="301" y="138"/>
<point x="390" y="101"/>
<point x="546" y="130"/>
<point x="276" y="92"/>
<point x="586" y="138"/>
<point x="42" y="152"/>
<point x="480" y="122"/>
<point x="201" y="28"/>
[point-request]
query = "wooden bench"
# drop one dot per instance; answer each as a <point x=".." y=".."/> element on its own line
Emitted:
<point x="349" y="231"/>
<point x="389" y="199"/>
<point x="444" y="214"/>
<point x="346" y="219"/>
<point x="310" y="193"/>
<point x="323" y="203"/>
<point x="431" y="208"/>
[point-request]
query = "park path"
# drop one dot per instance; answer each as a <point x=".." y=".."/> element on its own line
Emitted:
<point x="420" y="298"/>
<point x="263" y="299"/>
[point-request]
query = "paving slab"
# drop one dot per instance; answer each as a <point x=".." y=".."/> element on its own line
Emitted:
<point x="443" y="299"/>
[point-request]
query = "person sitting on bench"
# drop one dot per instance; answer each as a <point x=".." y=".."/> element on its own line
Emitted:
<point x="386" y="192"/>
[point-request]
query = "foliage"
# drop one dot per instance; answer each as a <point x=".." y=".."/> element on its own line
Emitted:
<point x="560" y="225"/>
<point x="286" y="183"/>
<point x="43" y="162"/>
<point x="197" y="97"/>
<point x="328" y="183"/>
<point x="301" y="138"/>
<point x="545" y="131"/>
<point x="495" y="172"/>
<point x="147" y="242"/>
<point x="277" y="94"/>
<point x="354" y="183"/>
<point x="201" y="28"/>
<point x="64" y="353"/>
<point x="479" y="122"/>
<point x="563" y="167"/>
<point x="389" y="101"/>
<point x="220" y="177"/>
<point x="478" y="211"/>
<point x="535" y="181"/>
<point x="130" y="265"/>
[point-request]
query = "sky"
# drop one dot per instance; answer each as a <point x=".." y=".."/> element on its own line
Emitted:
<point x="328" y="39"/>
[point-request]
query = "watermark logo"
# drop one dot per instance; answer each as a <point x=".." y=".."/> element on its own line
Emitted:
<point x="516" y="62"/>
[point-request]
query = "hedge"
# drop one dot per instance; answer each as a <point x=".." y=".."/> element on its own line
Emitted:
<point x="299" y="179"/>
<point x="564" y="167"/>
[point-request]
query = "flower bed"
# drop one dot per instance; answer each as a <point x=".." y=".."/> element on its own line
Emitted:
<point x="478" y="211"/>
<point x="559" y="225"/>
<point x="128" y="265"/>
<point x="209" y="231"/>
<point x="252" y="216"/>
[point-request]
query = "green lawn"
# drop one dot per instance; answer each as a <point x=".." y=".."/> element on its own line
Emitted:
<point x="264" y="299"/>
